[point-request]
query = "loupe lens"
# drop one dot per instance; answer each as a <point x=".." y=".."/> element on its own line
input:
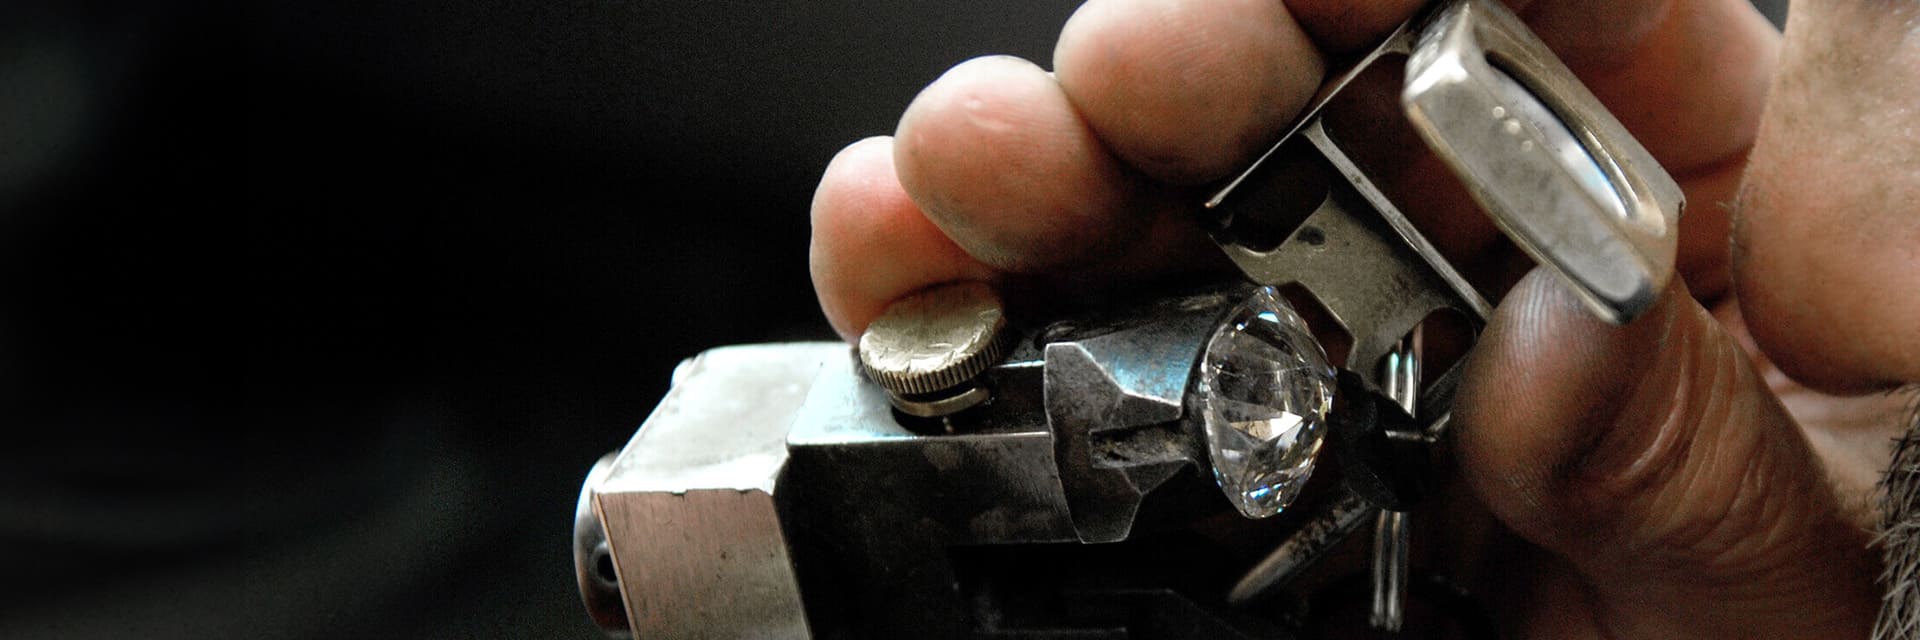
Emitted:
<point x="1525" y="111"/>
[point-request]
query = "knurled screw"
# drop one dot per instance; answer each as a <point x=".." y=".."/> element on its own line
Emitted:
<point x="927" y="348"/>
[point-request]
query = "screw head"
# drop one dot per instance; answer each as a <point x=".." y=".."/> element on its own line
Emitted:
<point x="936" y="341"/>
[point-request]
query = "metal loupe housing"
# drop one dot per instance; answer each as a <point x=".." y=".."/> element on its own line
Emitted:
<point x="1556" y="171"/>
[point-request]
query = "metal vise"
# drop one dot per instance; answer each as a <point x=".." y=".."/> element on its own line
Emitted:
<point x="777" y="492"/>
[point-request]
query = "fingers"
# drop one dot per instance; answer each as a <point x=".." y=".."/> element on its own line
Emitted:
<point x="1018" y="173"/>
<point x="1827" y="235"/>
<point x="1186" y="91"/>
<point x="995" y="155"/>
<point x="1021" y="170"/>
<point x="1030" y="174"/>
<point x="871" y="245"/>
<point x="1653" y="458"/>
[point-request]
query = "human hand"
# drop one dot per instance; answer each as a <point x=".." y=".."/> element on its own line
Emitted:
<point x="1671" y="478"/>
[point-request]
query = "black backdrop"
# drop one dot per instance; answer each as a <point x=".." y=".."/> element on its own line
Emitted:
<point x="312" y="316"/>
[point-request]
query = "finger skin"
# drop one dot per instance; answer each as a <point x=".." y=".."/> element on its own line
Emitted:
<point x="1001" y="159"/>
<point x="1656" y="462"/>
<point x="1687" y="77"/>
<point x="1186" y="91"/>
<point x="1827" y="231"/>
<point x="996" y="157"/>
<point x="871" y="245"/>
<point x="1342" y="26"/>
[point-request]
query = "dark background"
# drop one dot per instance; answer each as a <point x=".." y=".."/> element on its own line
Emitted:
<point x="312" y="317"/>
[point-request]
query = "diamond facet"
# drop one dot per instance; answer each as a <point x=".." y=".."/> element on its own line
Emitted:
<point x="1265" y="388"/>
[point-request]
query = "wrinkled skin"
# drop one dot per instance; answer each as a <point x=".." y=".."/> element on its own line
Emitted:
<point x="1705" y="471"/>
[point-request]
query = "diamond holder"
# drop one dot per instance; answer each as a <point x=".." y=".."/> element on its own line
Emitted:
<point x="1309" y="213"/>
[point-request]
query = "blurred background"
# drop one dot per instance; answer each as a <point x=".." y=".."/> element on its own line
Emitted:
<point x="313" y="317"/>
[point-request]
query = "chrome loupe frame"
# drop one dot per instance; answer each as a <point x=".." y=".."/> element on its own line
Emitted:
<point x="1619" y="255"/>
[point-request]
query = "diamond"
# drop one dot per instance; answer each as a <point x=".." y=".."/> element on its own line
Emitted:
<point x="1265" y="388"/>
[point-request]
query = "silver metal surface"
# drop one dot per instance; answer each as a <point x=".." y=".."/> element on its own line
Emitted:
<point x="1390" y="530"/>
<point x="991" y="485"/>
<point x="881" y="505"/>
<point x="941" y="405"/>
<point x="1555" y="170"/>
<point x="689" y="507"/>
<point x="1327" y="528"/>
<point x="1389" y="573"/>
<point x="1558" y="175"/>
<point x="1358" y="254"/>
<point x="1402" y="373"/>
<point x="1352" y="247"/>
<point x="1115" y="403"/>
<point x="1083" y="437"/>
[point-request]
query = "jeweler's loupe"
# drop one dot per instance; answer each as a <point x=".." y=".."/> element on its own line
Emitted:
<point x="1556" y="172"/>
<point x="1329" y="211"/>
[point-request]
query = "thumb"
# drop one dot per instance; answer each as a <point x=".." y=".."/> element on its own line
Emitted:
<point x="1655" y="462"/>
